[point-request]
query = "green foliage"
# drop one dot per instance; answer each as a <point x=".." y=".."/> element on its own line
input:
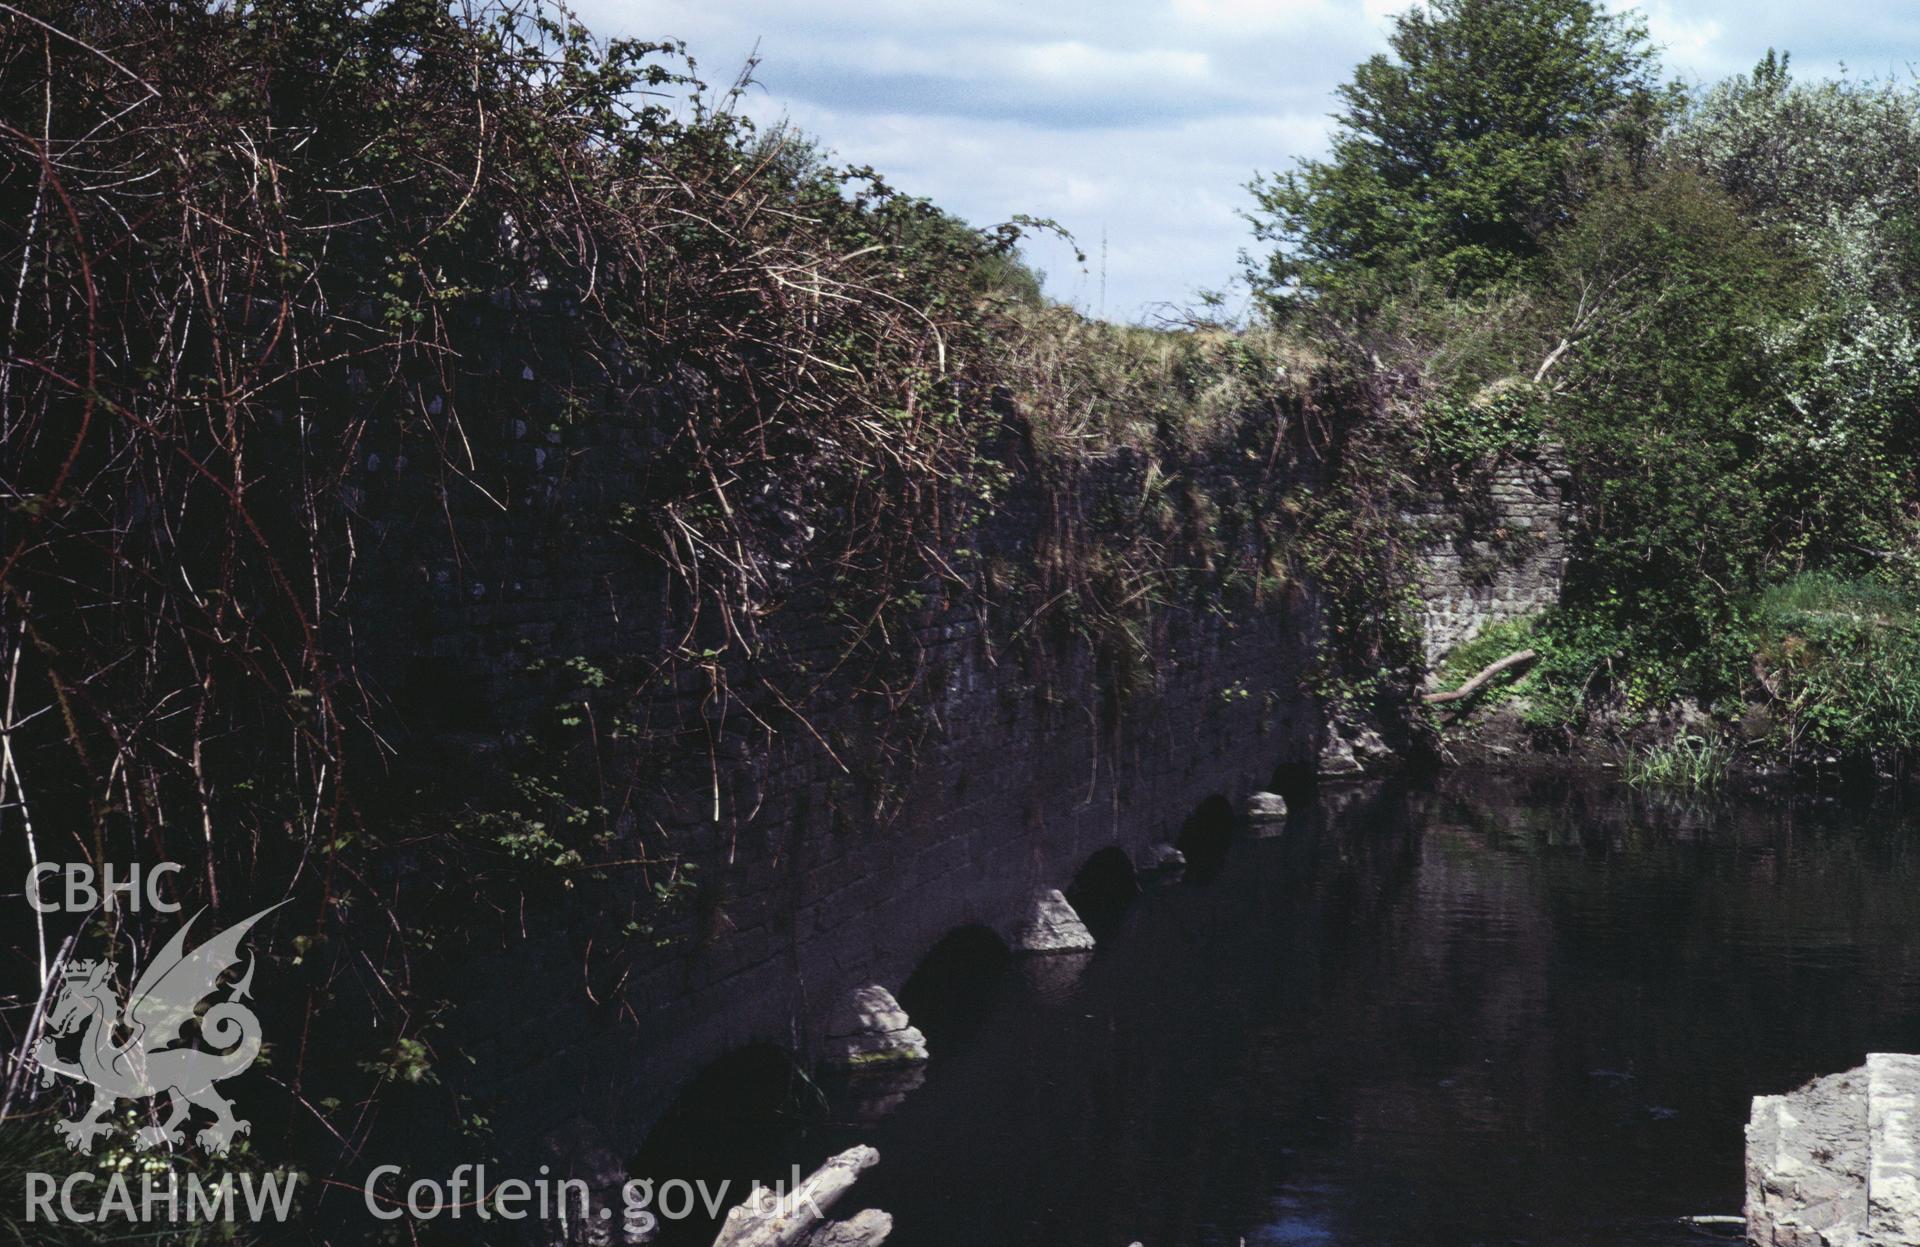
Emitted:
<point x="1498" y="421"/>
<point x="1088" y="386"/>
<point x="1839" y="663"/>
<point x="1455" y="155"/>
<point x="1581" y="652"/>
<point x="1736" y="398"/>
<point x="1797" y="154"/>
<point x="1489" y="645"/>
<point x="1370" y="652"/>
<point x="1834" y="166"/>
<point x="1663" y="406"/>
<point x="1838" y="453"/>
<point x="1687" y="761"/>
<point x="1715" y="302"/>
<point x="1823" y="595"/>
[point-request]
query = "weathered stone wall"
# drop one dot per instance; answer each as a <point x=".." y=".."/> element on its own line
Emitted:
<point x="820" y="869"/>
<point x="1015" y="793"/>
<point x="1838" y="1160"/>
<point x="1493" y="548"/>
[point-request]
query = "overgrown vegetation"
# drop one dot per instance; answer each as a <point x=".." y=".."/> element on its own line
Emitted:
<point x="312" y="304"/>
<point x="285" y="278"/>
<point x="1840" y="663"/>
<point x="1686" y="761"/>
<point x="1705" y="303"/>
<point x="1484" y="648"/>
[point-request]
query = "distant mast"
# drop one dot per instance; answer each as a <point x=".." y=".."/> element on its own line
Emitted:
<point x="1102" y="313"/>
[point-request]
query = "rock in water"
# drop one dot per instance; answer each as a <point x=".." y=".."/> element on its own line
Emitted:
<point x="1159" y="856"/>
<point x="1834" y="1163"/>
<point x="1266" y="806"/>
<point x="1352" y="749"/>
<point x="1051" y="926"/>
<point x="869" y="1028"/>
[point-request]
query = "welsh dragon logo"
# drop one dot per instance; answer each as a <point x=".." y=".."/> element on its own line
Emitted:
<point x="143" y="1064"/>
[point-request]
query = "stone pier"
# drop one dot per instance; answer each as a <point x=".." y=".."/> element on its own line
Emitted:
<point x="1492" y="550"/>
<point x="869" y="1029"/>
<point x="1835" y="1163"/>
<point x="1050" y="925"/>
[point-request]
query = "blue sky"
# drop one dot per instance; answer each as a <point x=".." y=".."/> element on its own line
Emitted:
<point x="1139" y="120"/>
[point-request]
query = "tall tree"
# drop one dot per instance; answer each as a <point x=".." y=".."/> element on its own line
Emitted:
<point x="1460" y="150"/>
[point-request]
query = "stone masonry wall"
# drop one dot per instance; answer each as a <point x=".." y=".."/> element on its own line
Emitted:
<point x="1494" y="548"/>
<point x="579" y="1033"/>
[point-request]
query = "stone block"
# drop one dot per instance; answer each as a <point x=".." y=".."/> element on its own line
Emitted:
<point x="1266" y="806"/>
<point x="868" y="1028"/>
<point x="1836" y="1163"/>
<point x="1158" y="857"/>
<point x="1050" y="926"/>
<point x="1893" y="1145"/>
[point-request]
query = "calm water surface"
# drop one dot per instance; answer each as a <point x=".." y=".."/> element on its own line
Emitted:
<point x="1487" y="1012"/>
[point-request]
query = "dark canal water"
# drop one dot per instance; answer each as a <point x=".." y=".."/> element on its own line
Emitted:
<point x="1488" y="1012"/>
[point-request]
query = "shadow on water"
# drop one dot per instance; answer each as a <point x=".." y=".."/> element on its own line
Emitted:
<point x="743" y="1116"/>
<point x="1102" y="890"/>
<point x="1205" y="838"/>
<point x="957" y="985"/>
<point x="1296" y="781"/>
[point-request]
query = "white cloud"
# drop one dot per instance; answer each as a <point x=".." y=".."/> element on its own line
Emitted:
<point x="1140" y="118"/>
<point x="1073" y="62"/>
<point x="1380" y="11"/>
<point x="1242" y="16"/>
<point x="1690" y="40"/>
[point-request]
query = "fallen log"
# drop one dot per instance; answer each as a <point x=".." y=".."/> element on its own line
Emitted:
<point x="868" y="1228"/>
<point x="798" y="1218"/>
<point x="1724" y="1228"/>
<point x="1479" y="681"/>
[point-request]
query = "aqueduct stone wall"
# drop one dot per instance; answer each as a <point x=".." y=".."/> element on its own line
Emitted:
<point x="1495" y="548"/>
<point x="579" y="1033"/>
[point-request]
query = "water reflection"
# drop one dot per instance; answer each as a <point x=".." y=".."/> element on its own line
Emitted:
<point x="1491" y="1012"/>
<point x="864" y="1096"/>
<point x="1053" y="978"/>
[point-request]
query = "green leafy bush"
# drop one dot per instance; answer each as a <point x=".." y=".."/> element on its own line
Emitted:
<point x="1707" y="303"/>
<point x="1663" y="407"/>
<point x="1839" y="663"/>
<point x="1498" y="421"/>
<point x="1489" y="645"/>
<point x="1796" y="153"/>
